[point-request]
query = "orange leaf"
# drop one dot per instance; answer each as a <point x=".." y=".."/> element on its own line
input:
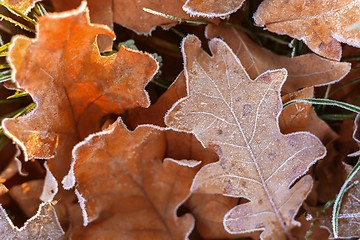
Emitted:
<point x="304" y="71"/>
<point x="124" y="187"/>
<point x="321" y="24"/>
<point x="73" y="86"/>
<point x="238" y="116"/>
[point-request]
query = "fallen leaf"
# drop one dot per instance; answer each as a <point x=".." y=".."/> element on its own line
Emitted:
<point x="303" y="71"/>
<point x="302" y="117"/>
<point x="73" y="86"/>
<point x="21" y="5"/>
<point x="212" y="8"/>
<point x="100" y="13"/>
<point x="349" y="214"/>
<point x="43" y="225"/>
<point x="322" y="25"/>
<point x="238" y="117"/>
<point x="27" y="195"/>
<point x="130" y="14"/>
<point x="124" y="187"/>
<point x="3" y="189"/>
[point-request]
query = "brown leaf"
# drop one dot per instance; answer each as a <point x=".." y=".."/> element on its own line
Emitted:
<point x="73" y="86"/>
<point x="349" y="214"/>
<point x="238" y="117"/>
<point x="304" y="71"/>
<point x="321" y="24"/>
<point x="43" y="225"/>
<point x="302" y="117"/>
<point x="212" y="8"/>
<point x="22" y="5"/>
<point x="125" y="189"/>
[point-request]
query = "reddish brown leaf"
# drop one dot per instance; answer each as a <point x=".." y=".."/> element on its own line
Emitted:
<point x="321" y="24"/>
<point x="43" y="225"/>
<point x="238" y="117"/>
<point x="302" y="117"/>
<point x="135" y="194"/>
<point x="73" y="86"/>
<point x="304" y="71"/>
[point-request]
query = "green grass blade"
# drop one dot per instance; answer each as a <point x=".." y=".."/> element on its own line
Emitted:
<point x="18" y="13"/>
<point x="16" y="23"/>
<point x="326" y="102"/>
<point x="174" y="18"/>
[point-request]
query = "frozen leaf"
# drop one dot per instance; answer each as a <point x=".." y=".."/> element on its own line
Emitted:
<point x="302" y="117"/>
<point x="43" y="225"/>
<point x="100" y="13"/>
<point x="212" y="8"/>
<point x="22" y="5"/>
<point x="73" y="86"/>
<point x="349" y="214"/>
<point x="238" y="117"/>
<point x="124" y="187"/>
<point x="303" y="71"/>
<point x="321" y="24"/>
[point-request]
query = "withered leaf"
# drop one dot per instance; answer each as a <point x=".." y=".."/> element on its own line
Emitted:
<point x="321" y="24"/>
<point x="303" y="71"/>
<point x="73" y="86"/>
<point x="124" y="187"/>
<point x="22" y="5"/>
<point x="212" y="9"/>
<point x="238" y="117"/>
<point x="349" y="215"/>
<point x="302" y="117"/>
<point x="130" y="14"/>
<point x="43" y="225"/>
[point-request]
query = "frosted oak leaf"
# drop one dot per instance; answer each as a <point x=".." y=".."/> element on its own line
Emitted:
<point x="321" y="24"/>
<point x="238" y="117"/>
<point x="73" y="86"/>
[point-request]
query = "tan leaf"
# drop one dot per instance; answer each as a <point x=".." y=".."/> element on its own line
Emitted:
<point x="349" y="214"/>
<point x="73" y="86"/>
<point x="43" y="225"/>
<point x="321" y="24"/>
<point x="303" y="71"/>
<point x="212" y="8"/>
<point x="238" y="116"/>
<point x="124" y="187"/>
<point x="302" y="117"/>
<point x="22" y="5"/>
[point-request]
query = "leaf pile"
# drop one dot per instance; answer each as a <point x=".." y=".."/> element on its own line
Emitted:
<point x="212" y="154"/>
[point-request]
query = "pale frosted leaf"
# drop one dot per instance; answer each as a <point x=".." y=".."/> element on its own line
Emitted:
<point x="238" y="117"/>
<point x="43" y="225"/>
<point x="321" y="24"/>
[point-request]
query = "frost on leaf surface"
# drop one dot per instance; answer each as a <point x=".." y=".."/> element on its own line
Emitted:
<point x="73" y="86"/>
<point x="126" y="187"/>
<point x="321" y="24"/>
<point x="21" y="5"/>
<point x="303" y="71"/>
<point x="238" y="117"/>
<point x="212" y="8"/>
<point x="43" y="225"/>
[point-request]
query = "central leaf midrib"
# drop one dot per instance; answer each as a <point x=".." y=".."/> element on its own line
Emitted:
<point x="276" y="211"/>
